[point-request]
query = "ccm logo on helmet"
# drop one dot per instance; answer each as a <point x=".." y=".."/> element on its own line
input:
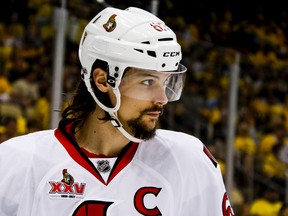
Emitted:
<point x="171" y="54"/>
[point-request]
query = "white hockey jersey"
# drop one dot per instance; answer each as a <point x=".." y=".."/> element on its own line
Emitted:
<point x="46" y="173"/>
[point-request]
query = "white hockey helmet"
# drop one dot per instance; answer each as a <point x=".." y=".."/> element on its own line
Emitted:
<point x="130" y="38"/>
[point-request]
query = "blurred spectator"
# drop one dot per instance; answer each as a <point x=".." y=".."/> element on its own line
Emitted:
<point x="40" y="118"/>
<point x="15" y="66"/>
<point x="5" y="88"/>
<point x="275" y="133"/>
<point x="283" y="210"/>
<point x="273" y="167"/>
<point x="26" y="90"/>
<point x="244" y="144"/>
<point x="268" y="204"/>
<point x="11" y="127"/>
<point x="245" y="149"/>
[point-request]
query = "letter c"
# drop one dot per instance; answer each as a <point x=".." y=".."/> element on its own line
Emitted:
<point x="139" y="201"/>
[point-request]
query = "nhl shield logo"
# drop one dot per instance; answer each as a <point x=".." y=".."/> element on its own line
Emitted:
<point x="103" y="166"/>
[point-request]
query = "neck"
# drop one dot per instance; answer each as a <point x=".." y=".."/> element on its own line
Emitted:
<point x="100" y="137"/>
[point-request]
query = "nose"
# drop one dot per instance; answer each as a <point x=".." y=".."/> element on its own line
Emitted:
<point x="160" y="96"/>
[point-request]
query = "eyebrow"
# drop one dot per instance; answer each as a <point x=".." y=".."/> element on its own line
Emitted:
<point x="146" y="74"/>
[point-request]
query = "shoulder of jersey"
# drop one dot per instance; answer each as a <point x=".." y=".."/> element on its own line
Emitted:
<point x="175" y="135"/>
<point x="30" y="138"/>
<point x="186" y="144"/>
<point x="178" y="138"/>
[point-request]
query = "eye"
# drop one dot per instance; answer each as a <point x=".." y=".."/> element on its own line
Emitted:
<point x="148" y="82"/>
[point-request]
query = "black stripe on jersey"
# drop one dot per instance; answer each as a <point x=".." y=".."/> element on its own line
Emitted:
<point x="72" y="147"/>
<point x="63" y="128"/>
<point x="210" y="156"/>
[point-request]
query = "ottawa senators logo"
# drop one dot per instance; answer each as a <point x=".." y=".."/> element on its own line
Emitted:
<point x="67" y="187"/>
<point x="111" y="24"/>
<point x="67" y="178"/>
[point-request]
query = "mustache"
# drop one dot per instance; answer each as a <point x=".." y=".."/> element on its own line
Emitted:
<point x="154" y="109"/>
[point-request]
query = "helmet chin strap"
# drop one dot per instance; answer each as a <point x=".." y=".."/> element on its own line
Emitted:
<point x="116" y="123"/>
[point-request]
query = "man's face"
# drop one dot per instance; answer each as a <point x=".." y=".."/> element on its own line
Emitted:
<point x="142" y="99"/>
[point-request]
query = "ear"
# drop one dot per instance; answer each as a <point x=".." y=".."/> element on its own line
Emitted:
<point x="100" y="79"/>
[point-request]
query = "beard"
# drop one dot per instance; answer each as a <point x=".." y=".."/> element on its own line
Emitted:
<point x="140" y="129"/>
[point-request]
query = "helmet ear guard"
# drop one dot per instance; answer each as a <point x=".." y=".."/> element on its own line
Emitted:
<point x="88" y="79"/>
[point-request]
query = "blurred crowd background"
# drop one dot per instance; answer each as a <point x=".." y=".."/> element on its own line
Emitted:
<point x="211" y="34"/>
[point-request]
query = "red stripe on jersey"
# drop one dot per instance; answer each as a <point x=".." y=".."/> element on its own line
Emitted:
<point x="123" y="160"/>
<point x="76" y="155"/>
<point x="79" y="156"/>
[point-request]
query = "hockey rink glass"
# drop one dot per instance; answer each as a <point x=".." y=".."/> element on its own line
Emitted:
<point x="152" y="85"/>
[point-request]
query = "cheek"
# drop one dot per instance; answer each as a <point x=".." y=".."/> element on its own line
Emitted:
<point x="127" y="104"/>
<point x="129" y="108"/>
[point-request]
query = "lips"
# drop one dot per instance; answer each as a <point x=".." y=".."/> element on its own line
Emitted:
<point x="154" y="114"/>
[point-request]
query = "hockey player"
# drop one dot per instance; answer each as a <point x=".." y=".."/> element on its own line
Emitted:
<point x="107" y="156"/>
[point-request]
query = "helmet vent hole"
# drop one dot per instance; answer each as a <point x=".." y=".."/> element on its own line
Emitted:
<point x="163" y="65"/>
<point x="96" y="19"/>
<point x="139" y="50"/>
<point x="151" y="53"/>
<point x="177" y="63"/>
<point x="165" y="39"/>
<point x="146" y="42"/>
<point x="85" y="35"/>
